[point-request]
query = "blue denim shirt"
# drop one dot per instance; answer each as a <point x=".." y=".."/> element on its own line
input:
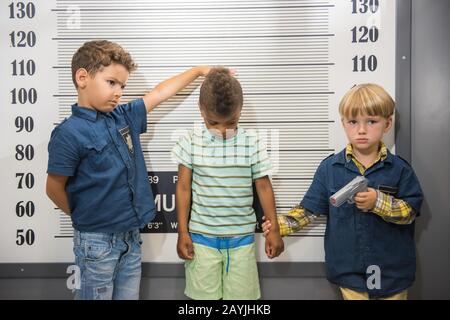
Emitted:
<point x="108" y="188"/>
<point x="355" y="240"/>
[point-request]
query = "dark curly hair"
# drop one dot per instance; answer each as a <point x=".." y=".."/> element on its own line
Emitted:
<point x="96" y="54"/>
<point x="221" y="93"/>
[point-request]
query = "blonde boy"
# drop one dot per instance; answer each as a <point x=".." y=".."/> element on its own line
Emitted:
<point x="377" y="231"/>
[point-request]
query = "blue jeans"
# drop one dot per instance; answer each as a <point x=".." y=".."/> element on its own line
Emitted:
<point x="110" y="265"/>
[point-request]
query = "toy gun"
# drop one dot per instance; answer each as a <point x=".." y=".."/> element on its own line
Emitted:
<point x="347" y="193"/>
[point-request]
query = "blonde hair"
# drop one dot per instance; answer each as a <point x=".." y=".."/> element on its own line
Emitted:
<point x="96" y="54"/>
<point x="367" y="98"/>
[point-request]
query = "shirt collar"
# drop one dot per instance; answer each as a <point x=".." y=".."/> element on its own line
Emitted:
<point x="210" y="136"/>
<point x="85" y="113"/>
<point x="346" y="155"/>
<point x="382" y="153"/>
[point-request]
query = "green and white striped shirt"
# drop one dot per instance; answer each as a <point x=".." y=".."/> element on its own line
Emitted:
<point x="222" y="174"/>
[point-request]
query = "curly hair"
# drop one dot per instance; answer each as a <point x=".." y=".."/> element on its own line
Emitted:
<point x="221" y="93"/>
<point x="96" y="54"/>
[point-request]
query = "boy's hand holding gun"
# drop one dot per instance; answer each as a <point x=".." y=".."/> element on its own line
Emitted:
<point x="356" y="192"/>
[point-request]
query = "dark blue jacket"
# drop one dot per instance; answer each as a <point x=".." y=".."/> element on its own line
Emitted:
<point x="355" y="240"/>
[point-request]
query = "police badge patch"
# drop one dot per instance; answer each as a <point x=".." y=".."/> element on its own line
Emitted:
<point x="125" y="132"/>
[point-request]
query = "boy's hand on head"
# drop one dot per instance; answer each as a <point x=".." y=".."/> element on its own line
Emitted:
<point x="274" y="245"/>
<point x="366" y="200"/>
<point x="204" y="70"/>
<point x="185" y="248"/>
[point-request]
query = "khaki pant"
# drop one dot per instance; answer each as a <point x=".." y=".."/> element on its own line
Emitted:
<point x="349" y="294"/>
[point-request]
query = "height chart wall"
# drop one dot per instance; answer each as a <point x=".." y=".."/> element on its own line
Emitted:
<point x="295" y="59"/>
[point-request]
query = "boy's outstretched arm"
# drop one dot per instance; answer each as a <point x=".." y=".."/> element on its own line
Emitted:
<point x="296" y="219"/>
<point x="185" y="248"/>
<point x="274" y="243"/>
<point x="170" y="87"/>
<point x="56" y="191"/>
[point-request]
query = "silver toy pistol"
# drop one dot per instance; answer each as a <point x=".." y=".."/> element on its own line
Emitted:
<point x="347" y="192"/>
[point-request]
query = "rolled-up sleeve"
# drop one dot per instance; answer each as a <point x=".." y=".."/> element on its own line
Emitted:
<point x="63" y="154"/>
<point x="409" y="189"/>
<point x="316" y="198"/>
<point x="137" y="113"/>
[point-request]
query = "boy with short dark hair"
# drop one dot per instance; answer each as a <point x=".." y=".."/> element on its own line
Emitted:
<point x="217" y="166"/>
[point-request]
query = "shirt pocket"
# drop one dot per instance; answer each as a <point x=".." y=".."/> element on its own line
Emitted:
<point x="99" y="155"/>
<point x="388" y="189"/>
